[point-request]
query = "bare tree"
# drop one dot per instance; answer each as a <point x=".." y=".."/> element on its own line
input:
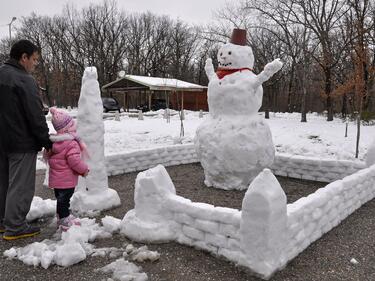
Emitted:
<point x="183" y="44"/>
<point x="282" y="24"/>
<point x="323" y="18"/>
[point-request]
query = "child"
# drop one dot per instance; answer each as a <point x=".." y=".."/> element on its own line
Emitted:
<point x="65" y="165"/>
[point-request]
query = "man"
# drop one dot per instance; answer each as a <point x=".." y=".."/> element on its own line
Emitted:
<point x="23" y="132"/>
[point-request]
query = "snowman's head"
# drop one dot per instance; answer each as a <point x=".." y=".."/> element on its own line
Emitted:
<point x="232" y="56"/>
<point x="90" y="73"/>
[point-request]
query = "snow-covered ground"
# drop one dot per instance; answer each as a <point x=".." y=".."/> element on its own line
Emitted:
<point x="316" y="138"/>
<point x="73" y="246"/>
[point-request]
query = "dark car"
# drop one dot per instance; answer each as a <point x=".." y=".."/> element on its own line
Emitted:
<point x="110" y="104"/>
<point x="44" y="97"/>
<point x="156" y="104"/>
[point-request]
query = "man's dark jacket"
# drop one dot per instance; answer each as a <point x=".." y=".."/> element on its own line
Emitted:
<point x="23" y="126"/>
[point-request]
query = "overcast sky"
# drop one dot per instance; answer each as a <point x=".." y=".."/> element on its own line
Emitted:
<point x="193" y="11"/>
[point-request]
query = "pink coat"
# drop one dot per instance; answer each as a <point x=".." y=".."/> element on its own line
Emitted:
<point x="65" y="163"/>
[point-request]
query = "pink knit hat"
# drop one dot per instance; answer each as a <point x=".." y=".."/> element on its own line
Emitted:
<point x="61" y="121"/>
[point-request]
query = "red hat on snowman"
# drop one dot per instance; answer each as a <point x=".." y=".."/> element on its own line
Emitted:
<point x="238" y="37"/>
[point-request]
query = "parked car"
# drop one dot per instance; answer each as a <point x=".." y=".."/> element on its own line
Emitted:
<point x="110" y="104"/>
<point x="45" y="109"/>
<point x="44" y="97"/>
<point x="156" y="104"/>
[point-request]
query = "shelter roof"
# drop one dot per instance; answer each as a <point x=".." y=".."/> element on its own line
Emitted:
<point x="135" y="82"/>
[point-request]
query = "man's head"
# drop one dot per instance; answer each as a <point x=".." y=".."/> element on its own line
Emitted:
<point x="26" y="53"/>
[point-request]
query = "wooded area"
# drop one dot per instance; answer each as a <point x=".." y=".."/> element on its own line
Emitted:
<point x="327" y="47"/>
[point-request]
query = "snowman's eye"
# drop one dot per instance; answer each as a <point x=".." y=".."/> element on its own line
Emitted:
<point x="229" y="53"/>
<point x="221" y="54"/>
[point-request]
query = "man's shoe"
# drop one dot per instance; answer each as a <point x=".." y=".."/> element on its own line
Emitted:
<point x="2" y="229"/>
<point x="27" y="232"/>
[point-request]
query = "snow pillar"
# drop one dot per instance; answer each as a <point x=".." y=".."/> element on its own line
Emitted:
<point x="263" y="225"/>
<point x="92" y="193"/>
<point x="117" y="116"/>
<point x="148" y="221"/>
<point x="140" y="115"/>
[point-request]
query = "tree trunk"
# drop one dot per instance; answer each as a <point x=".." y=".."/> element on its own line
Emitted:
<point x="267" y="114"/>
<point x="344" y="108"/>
<point x="290" y="86"/>
<point x="329" y="104"/>
<point x="358" y="133"/>
<point x="366" y="96"/>
<point x="303" y="106"/>
<point x="268" y="103"/>
<point x="304" y="90"/>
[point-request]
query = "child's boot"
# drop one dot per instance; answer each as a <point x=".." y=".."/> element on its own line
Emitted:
<point x="65" y="223"/>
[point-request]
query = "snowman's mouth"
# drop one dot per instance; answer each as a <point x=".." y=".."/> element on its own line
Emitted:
<point x="225" y="64"/>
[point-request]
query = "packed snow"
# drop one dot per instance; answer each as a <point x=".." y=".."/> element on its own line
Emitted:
<point x="41" y="208"/>
<point x="75" y="245"/>
<point x="66" y="249"/>
<point x="92" y="192"/>
<point x="233" y="144"/>
<point x="316" y="138"/>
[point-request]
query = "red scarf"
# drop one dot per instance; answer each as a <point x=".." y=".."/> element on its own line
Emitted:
<point x="222" y="72"/>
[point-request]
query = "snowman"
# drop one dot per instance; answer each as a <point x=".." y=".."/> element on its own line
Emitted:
<point x="233" y="143"/>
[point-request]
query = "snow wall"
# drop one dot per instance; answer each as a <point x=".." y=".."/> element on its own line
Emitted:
<point x="293" y="166"/>
<point x="300" y="167"/>
<point x="263" y="237"/>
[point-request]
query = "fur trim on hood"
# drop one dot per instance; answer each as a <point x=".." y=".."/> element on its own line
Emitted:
<point x="61" y="137"/>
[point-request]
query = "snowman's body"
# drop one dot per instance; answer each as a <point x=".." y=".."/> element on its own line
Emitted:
<point x="234" y="144"/>
<point x="235" y="95"/>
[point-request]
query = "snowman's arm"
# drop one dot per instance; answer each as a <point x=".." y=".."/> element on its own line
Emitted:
<point x="269" y="70"/>
<point x="209" y="68"/>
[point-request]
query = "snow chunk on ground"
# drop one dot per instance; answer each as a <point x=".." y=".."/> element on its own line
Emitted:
<point x="124" y="271"/>
<point x="73" y="247"/>
<point x="41" y="208"/>
<point x="111" y="224"/>
<point x="144" y="254"/>
<point x="69" y="254"/>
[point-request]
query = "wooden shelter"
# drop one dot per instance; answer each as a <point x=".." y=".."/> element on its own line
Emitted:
<point x="132" y="91"/>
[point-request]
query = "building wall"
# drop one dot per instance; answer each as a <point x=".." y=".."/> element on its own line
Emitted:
<point x="192" y="100"/>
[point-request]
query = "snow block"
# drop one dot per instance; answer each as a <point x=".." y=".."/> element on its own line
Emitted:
<point x="86" y="202"/>
<point x="148" y="221"/>
<point x="264" y="225"/>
